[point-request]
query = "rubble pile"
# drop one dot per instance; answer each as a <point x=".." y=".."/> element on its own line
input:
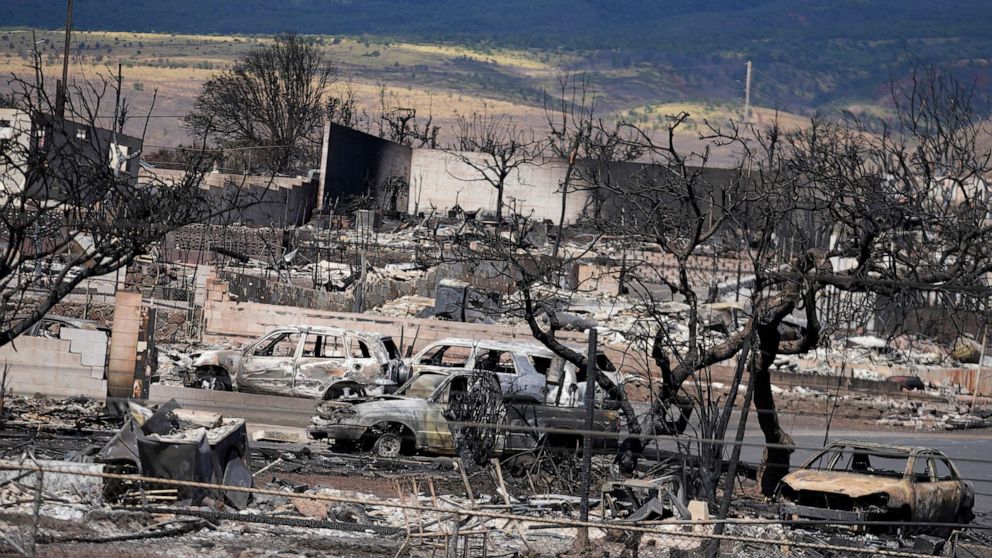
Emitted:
<point x="44" y="413"/>
<point x="874" y="359"/>
<point x="175" y="360"/>
<point x="410" y="306"/>
<point x="933" y="410"/>
<point x="920" y="416"/>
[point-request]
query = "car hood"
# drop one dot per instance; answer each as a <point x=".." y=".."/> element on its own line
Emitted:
<point x="844" y="483"/>
<point x="221" y="357"/>
<point x="390" y="403"/>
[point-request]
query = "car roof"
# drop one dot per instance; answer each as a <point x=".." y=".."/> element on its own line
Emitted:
<point x="883" y="448"/>
<point x="328" y="330"/>
<point x="512" y="346"/>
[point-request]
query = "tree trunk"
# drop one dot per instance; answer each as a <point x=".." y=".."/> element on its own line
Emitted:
<point x="499" y="204"/>
<point x="775" y="461"/>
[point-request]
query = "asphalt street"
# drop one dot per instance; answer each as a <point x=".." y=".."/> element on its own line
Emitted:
<point x="969" y="450"/>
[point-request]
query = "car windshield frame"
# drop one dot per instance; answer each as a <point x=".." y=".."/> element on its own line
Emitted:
<point x="273" y="337"/>
<point x="835" y="456"/>
<point x="405" y="388"/>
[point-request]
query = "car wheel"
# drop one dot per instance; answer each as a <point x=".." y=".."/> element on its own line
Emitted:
<point x="389" y="445"/>
<point x="221" y="383"/>
<point x="210" y="377"/>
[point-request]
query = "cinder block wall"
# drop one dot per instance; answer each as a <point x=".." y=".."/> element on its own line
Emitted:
<point x="226" y="320"/>
<point x="49" y="367"/>
<point x="124" y="344"/>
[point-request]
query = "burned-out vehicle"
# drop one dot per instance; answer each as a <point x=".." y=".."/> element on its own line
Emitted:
<point x="527" y="372"/>
<point x="302" y="361"/>
<point x="421" y="415"/>
<point x="850" y="481"/>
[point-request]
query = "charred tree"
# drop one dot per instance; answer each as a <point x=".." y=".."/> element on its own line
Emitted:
<point x="273" y="100"/>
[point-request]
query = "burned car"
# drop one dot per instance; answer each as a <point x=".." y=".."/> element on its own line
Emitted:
<point x="850" y="481"/>
<point x="302" y="361"/>
<point x="527" y="372"/>
<point x="418" y="417"/>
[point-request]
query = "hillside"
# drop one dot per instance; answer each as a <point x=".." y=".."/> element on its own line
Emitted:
<point x="808" y="54"/>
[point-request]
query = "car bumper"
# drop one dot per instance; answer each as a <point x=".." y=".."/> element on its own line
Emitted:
<point x="811" y="512"/>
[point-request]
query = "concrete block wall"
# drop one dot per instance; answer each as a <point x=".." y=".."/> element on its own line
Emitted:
<point x="192" y="243"/>
<point x="247" y="321"/>
<point x="250" y="288"/>
<point x="203" y="273"/>
<point x="48" y="366"/>
<point x="124" y="344"/>
<point x="257" y="199"/>
<point x="90" y="345"/>
<point x="597" y="278"/>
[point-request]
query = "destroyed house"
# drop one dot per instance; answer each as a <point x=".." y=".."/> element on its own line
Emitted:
<point x="91" y="155"/>
<point x="260" y="200"/>
<point x="402" y="179"/>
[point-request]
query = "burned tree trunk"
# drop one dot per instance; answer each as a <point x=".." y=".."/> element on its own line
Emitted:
<point x="499" y="203"/>
<point x="776" y="459"/>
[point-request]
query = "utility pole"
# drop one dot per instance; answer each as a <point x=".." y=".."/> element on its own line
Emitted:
<point x="63" y="86"/>
<point x="582" y="540"/>
<point x="978" y="373"/>
<point x="747" y="93"/>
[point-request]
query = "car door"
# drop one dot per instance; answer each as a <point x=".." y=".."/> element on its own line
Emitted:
<point x="364" y="365"/>
<point x="927" y="490"/>
<point x="560" y="385"/>
<point x="323" y="362"/>
<point x="269" y="365"/>
<point x="435" y="426"/>
<point x="949" y="489"/>
<point x="444" y="359"/>
<point x="527" y="382"/>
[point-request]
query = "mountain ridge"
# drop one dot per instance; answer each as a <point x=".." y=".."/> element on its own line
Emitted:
<point x="812" y="53"/>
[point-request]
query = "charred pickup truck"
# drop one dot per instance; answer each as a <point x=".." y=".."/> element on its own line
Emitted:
<point x="421" y="417"/>
<point x="302" y="361"/>
<point x="851" y="481"/>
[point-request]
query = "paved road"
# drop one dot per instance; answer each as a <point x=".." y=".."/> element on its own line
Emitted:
<point x="960" y="446"/>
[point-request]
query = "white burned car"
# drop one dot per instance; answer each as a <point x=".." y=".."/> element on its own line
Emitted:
<point x="527" y="372"/>
<point x="303" y="361"/>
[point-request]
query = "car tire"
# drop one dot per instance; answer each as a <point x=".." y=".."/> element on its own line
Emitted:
<point x="389" y="445"/>
<point x="222" y="383"/>
<point x="210" y="377"/>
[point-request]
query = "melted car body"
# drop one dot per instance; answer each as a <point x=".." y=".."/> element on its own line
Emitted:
<point x="527" y="372"/>
<point x="302" y="361"/>
<point x="860" y="481"/>
<point x="416" y="419"/>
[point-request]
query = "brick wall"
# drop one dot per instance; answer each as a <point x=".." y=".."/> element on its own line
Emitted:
<point x="192" y="243"/>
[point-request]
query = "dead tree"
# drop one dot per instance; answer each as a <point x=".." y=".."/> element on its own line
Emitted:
<point x="274" y="97"/>
<point x="895" y="216"/>
<point x="69" y="209"/>
<point x="494" y="148"/>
